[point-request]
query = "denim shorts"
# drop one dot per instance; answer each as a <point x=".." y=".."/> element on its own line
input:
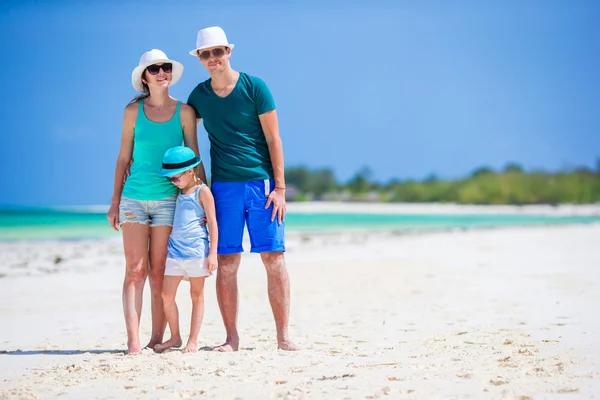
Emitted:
<point x="243" y="203"/>
<point x="153" y="212"/>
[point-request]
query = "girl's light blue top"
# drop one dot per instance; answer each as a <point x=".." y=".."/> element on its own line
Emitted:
<point x="189" y="239"/>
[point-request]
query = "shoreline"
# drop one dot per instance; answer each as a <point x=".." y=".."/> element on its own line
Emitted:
<point x="443" y="208"/>
<point x="381" y="208"/>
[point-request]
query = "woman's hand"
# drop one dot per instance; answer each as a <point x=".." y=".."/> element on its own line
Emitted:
<point x="113" y="216"/>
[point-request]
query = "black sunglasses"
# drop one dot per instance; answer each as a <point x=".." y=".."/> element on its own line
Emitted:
<point x="218" y="53"/>
<point x="155" y="69"/>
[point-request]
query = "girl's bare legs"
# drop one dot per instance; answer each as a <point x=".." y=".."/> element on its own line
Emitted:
<point x="197" y="295"/>
<point x="169" y="290"/>
<point x="159" y="239"/>
<point x="135" y="245"/>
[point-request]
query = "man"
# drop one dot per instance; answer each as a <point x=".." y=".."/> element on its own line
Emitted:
<point x="247" y="179"/>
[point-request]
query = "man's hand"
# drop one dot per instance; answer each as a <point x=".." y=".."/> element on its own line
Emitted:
<point x="277" y="197"/>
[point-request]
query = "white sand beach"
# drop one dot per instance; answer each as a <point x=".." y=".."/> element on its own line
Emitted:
<point x="489" y="314"/>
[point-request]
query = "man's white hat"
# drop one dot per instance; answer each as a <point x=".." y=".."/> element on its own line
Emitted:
<point x="154" y="56"/>
<point x="210" y="37"/>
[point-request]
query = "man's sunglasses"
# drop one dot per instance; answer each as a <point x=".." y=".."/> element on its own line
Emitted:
<point x="218" y="53"/>
<point x="155" y="69"/>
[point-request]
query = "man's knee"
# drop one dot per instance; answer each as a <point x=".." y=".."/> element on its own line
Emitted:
<point x="273" y="259"/>
<point x="228" y="263"/>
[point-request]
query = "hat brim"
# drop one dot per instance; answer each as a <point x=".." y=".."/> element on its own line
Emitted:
<point x="171" y="172"/>
<point x="136" y="75"/>
<point x="195" y="51"/>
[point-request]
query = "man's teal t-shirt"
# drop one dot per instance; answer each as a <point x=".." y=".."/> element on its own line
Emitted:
<point x="238" y="148"/>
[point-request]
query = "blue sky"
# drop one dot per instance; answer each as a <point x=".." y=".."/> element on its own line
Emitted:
<point x="407" y="88"/>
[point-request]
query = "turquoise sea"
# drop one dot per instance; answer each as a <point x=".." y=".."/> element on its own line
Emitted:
<point x="47" y="223"/>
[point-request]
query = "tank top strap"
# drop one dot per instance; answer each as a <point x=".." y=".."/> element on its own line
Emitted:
<point x="141" y="113"/>
<point x="177" y="117"/>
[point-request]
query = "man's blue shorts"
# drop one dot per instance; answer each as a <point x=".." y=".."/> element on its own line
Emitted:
<point x="239" y="203"/>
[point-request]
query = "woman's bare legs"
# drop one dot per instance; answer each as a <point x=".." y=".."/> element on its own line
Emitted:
<point x="197" y="295"/>
<point x="159" y="239"/>
<point x="135" y="245"/>
<point x="169" y="290"/>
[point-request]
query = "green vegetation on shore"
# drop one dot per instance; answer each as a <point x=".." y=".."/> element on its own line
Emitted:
<point x="512" y="185"/>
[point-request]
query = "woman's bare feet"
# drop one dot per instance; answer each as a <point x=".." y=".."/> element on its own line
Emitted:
<point x="152" y="344"/>
<point x="172" y="343"/>
<point x="191" y="347"/>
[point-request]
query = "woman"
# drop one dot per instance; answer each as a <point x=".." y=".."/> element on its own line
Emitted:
<point x="144" y="206"/>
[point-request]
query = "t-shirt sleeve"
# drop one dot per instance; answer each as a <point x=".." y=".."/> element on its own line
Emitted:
<point x="193" y="102"/>
<point x="262" y="97"/>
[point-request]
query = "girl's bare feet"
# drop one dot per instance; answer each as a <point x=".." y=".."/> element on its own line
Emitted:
<point x="134" y="348"/>
<point x="173" y="343"/>
<point x="191" y="347"/>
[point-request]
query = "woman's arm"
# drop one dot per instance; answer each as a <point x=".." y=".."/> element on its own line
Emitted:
<point x="190" y="135"/>
<point x="123" y="161"/>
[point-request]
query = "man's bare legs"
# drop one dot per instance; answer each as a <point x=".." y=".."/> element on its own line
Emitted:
<point x="197" y="295"/>
<point x="159" y="239"/>
<point x="169" y="290"/>
<point x="227" y="296"/>
<point x="135" y="245"/>
<point x="279" y="296"/>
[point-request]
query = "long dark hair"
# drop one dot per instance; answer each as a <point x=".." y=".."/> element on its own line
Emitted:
<point x="145" y="94"/>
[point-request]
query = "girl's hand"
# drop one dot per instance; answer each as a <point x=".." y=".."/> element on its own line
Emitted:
<point x="211" y="263"/>
<point x="113" y="216"/>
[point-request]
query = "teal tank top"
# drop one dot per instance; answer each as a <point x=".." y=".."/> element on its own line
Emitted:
<point x="150" y="142"/>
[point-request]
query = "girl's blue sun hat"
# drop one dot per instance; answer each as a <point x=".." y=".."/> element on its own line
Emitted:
<point x="177" y="160"/>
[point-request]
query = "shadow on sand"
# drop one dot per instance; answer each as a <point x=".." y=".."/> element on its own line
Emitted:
<point x="57" y="352"/>
<point x="19" y="352"/>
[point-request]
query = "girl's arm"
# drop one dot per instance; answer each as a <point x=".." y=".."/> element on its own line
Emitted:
<point x="208" y="202"/>
<point x="190" y="135"/>
<point x="123" y="161"/>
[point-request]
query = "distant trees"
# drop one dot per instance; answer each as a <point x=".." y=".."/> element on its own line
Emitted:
<point x="512" y="185"/>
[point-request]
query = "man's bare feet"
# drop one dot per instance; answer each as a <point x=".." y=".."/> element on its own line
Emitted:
<point x="227" y="347"/>
<point x="172" y="343"/>
<point x="191" y="347"/>
<point x="287" y="345"/>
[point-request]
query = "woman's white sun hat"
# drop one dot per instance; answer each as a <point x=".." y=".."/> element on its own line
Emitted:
<point x="154" y="56"/>
<point x="210" y="37"/>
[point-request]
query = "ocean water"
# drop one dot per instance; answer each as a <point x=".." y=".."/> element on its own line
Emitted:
<point x="43" y="224"/>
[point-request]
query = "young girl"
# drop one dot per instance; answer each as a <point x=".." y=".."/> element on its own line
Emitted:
<point x="192" y="249"/>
